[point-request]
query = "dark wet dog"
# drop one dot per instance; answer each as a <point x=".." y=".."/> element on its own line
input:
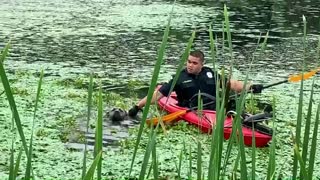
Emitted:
<point x="117" y="115"/>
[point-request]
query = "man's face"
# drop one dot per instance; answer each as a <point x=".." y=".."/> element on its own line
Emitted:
<point x="194" y="65"/>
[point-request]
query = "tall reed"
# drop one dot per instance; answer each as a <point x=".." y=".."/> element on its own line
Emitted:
<point x="99" y="135"/>
<point x="90" y="92"/>
<point x="152" y="87"/>
<point x="10" y="97"/>
<point x="29" y="160"/>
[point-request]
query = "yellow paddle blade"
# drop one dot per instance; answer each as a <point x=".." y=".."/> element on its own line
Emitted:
<point x="166" y="118"/>
<point x="299" y="77"/>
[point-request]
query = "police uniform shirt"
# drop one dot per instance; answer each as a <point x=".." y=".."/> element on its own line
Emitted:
<point x="189" y="85"/>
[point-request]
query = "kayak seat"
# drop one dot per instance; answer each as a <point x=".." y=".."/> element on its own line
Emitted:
<point x="260" y="127"/>
<point x="255" y="121"/>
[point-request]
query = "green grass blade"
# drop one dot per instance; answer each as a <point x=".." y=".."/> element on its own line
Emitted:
<point x="299" y="117"/>
<point x="314" y="143"/>
<point x="149" y="172"/>
<point x="11" y="165"/>
<point x="240" y="101"/>
<point x="243" y="164"/>
<point x="99" y="134"/>
<point x="272" y="155"/>
<point x="228" y="153"/>
<point x="29" y="159"/>
<point x="223" y="40"/>
<point x="183" y="61"/>
<point x="302" y="165"/>
<point x="307" y="127"/>
<point x="298" y="131"/>
<point x="38" y="96"/>
<point x="13" y="139"/>
<point x="180" y="66"/>
<point x="227" y="23"/>
<point x="264" y="43"/>
<point x="239" y="110"/>
<point x="219" y="140"/>
<point x="253" y="155"/>
<point x="17" y="165"/>
<point x="235" y="167"/>
<point x="181" y="156"/>
<point x="234" y="137"/>
<point x="89" y="175"/>
<point x="154" y="80"/>
<point x="304" y="34"/>
<point x="155" y="163"/>
<point x="200" y="108"/>
<point x="220" y="125"/>
<point x="90" y="92"/>
<point x="150" y="146"/>
<point x="5" y="52"/>
<point x="11" y="100"/>
<point x="199" y="161"/>
<point x="214" y="139"/>
<point x="318" y="50"/>
<point x="217" y="134"/>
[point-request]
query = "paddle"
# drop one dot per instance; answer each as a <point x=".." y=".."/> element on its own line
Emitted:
<point x="292" y="78"/>
<point x="295" y="78"/>
<point x="167" y="118"/>
<point x="174" y="115"/>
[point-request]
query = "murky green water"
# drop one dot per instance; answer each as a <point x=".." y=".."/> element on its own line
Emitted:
<point x="118" y="41"/>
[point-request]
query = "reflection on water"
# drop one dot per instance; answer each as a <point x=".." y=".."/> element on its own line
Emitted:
<point x="119" y="40"/>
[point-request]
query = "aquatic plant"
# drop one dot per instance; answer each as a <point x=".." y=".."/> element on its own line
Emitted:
<point x="219" y="157"/>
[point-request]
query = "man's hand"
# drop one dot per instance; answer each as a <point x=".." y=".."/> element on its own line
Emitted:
<point x="134" y="111"/>
<point x="256" y="88"/>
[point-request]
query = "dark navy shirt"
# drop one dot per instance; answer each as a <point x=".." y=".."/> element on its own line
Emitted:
<point x="189" y="85"/>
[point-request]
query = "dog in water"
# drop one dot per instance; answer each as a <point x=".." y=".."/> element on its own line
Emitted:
<point x="117" y="114"/>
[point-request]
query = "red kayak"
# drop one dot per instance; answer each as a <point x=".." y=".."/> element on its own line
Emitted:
<point x="208" y="120"/>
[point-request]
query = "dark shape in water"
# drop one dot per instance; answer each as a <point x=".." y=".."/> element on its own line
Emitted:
<point x="117" y="115"/>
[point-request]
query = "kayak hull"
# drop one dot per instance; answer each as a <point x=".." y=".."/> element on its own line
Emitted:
<point x="207" y="120"/>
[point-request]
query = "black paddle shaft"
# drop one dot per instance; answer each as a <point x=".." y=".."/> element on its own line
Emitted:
<point x="274" y="84"/>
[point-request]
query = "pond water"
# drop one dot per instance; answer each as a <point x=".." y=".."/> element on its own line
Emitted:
<point x="118" y="41"/>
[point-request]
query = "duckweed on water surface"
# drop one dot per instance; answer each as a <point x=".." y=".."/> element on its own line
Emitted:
<point x="58" y="109"/>
<point x="62" y="106"/>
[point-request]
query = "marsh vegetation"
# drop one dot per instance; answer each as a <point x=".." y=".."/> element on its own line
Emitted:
<point x="39" y="112"/>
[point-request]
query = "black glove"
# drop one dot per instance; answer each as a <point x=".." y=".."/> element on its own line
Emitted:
<point x="256" y="88"/>
<point x="134" y="111"/>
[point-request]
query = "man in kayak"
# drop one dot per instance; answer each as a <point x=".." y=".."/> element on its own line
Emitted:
<point x="194" y="78"/>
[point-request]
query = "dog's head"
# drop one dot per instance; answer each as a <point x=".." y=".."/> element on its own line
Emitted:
<point x="117" y="114"/>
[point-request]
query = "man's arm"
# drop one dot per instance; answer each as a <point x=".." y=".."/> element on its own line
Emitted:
<point x="238" y="85"/>
<point x="155" y="97"/>
<point x="135" y="109"/>
<point x="157" y="94"/>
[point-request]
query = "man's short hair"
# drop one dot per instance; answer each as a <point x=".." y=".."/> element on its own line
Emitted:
<point x="198" y="54"/>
